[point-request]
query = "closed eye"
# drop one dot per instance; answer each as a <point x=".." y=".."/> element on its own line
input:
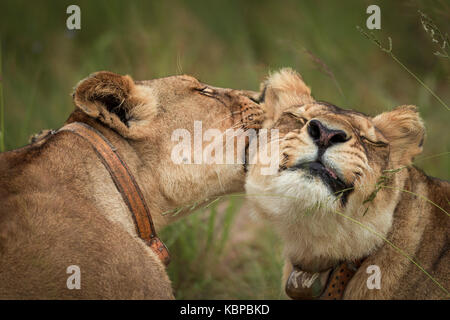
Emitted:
<point x="207" y="91"/>
<point x="375" y="143"/>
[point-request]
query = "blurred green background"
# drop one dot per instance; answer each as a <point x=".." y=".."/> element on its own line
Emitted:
<point x="220" y="252"/>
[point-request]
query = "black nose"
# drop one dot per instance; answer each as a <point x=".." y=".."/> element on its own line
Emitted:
<point x="324" y="137"/>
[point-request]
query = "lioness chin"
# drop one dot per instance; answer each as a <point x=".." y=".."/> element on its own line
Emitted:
<point x="346" y="193"/>
<point x="60" y="206"/>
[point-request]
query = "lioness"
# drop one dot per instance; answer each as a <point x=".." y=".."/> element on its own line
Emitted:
<point x="346" y="194"/>
<point x="61" y="208"/>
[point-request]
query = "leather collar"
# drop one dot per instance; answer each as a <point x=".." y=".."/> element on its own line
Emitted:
<point x="326" y="285"/>
<point x="125" y="183"/>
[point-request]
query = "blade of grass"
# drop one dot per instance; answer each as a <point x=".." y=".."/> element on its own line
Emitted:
<point x="211" y="225"/>
<point x="420" y="196"/>
<point x="230" y="212"/>
<point x="323" y="67"/>
<point x="388" y="51"/>
<point x="437" y="36"/>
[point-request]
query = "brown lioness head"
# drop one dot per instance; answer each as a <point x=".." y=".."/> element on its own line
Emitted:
<point x="157" y="119"/>
<point x="332" y="163"/>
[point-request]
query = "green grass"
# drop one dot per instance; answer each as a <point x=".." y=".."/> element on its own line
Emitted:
<point x="219" y="252"/>
<point x="216" y="257"/>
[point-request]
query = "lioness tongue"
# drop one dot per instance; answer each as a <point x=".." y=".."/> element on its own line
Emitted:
<point x="331" y="173"/>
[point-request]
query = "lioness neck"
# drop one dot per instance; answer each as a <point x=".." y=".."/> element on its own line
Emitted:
<point x="101" y="188"/>
<point x="319" y="240"/>
<point x="158" y="179"/>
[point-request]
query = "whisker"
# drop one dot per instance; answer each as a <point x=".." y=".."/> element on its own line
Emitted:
<point x="228" y="117"/>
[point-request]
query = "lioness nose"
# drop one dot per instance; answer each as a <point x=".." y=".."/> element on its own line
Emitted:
<point x="324" y="137"/>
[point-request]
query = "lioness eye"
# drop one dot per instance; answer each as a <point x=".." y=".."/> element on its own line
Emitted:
<point x="206" y="91"/>
<point x="375" y="143"/>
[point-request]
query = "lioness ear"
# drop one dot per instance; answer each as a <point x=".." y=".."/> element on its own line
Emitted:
<point x="108" y="97"/>
<point x="405" y="131"/>
<point x="281" y="91"/>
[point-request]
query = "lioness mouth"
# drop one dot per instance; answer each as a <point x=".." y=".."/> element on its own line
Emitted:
<point x="328" y="176"/>
<point x="246" y="157"/>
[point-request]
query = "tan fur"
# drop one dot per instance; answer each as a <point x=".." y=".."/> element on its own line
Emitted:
<point x="316" y="226"/>
<point x="283" y="89"/>
<point x="60" y="206"/>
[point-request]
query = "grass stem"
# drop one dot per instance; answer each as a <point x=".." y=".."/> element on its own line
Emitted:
<point x="388" y="51"/>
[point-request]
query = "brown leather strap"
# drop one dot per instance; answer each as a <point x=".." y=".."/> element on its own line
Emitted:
<point x="125" y="183"/>
<point x="326" y="285"/>
<point x="339" y="279"/>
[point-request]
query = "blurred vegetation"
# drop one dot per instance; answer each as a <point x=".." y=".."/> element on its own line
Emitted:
<point x="230" y="44"/>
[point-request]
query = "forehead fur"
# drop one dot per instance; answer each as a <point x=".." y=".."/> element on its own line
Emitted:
<point x="356" y="119"/>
